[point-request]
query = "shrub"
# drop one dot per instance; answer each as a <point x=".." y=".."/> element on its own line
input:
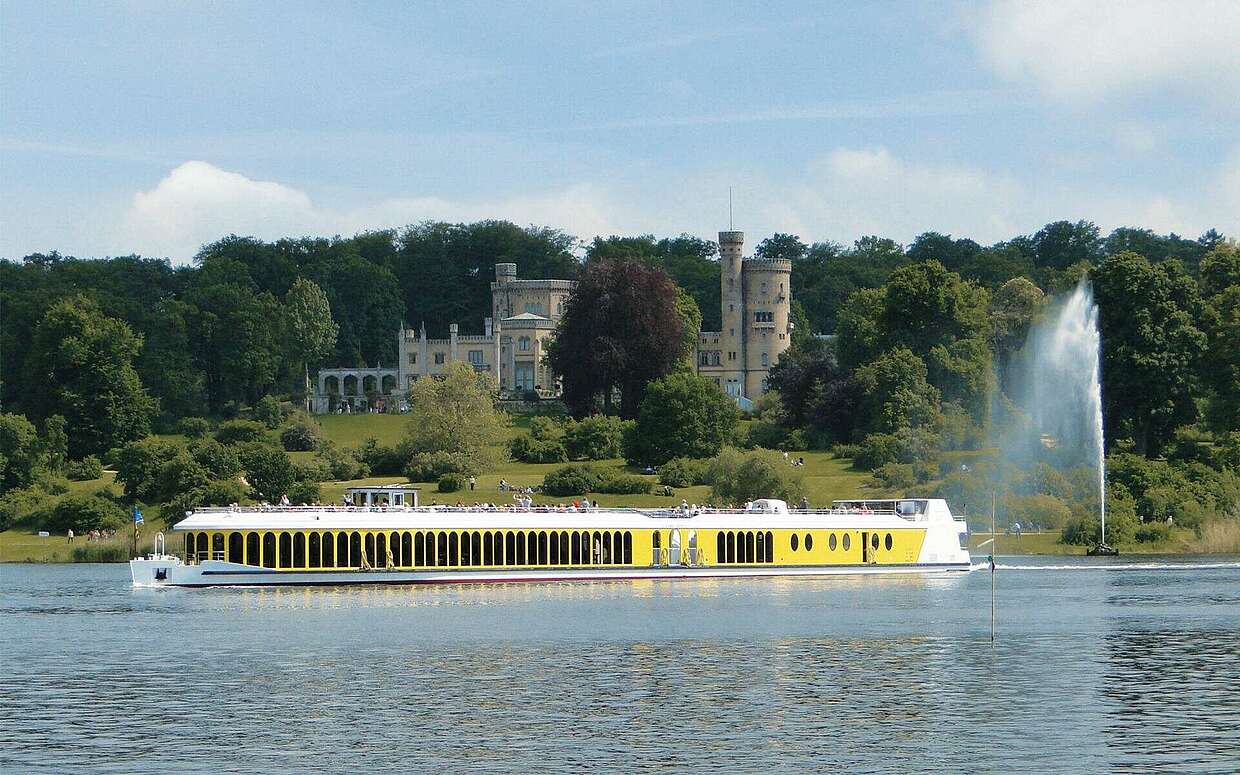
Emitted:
<point x="268" y="411"/>
<point x="193" y="427"/>
<point x="597" y="437"/>
<point x="54" y="485"/>
<point x="543" y="428"/>
<point x="1040" y="511"/>
<point x="451" y="483"/>
<point x="876" y="451"/>
<point x="429" y="466"/>
<point x="240" y="432"/>
<point x="311" y="470"/>
<point x="345" y="464"/>
<point x="102" y="551"/>
<point x="83" y="513"/>
<point x="379" y="460"/>
<point x="683" y="472"/>
<point x="528" y="449"/>
<point x="624" y="484"/>
<point x="572" y="480"/>
<point x="681" y="415"/>
<point x="1152" y="533"/>
<point x="895" y="476"/>
<point x="27" y="505"/>
<point x="304" y="492"/>
<point x="301" y="436"/>
<point x="844" y="451"/>
<point x="737" y="477"/>
<point x="268" y="470"/>
<point x="219" y="460"/>
<point x="84" y="470"/>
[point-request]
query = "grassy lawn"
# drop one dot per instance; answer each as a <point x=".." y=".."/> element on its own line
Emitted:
<point x="1048" y="544"/>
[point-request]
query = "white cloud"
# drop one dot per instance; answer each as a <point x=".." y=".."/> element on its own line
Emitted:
<point x="197" y="203"/>
<point x="1085" y="50"/>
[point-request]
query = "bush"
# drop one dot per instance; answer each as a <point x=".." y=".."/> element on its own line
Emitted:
<point x="895" y="476"/>
<point x="451" y="483"/>
<point x="27" y="505"/>
<point x="876" y="451"/>
<point x="193" y="427"/>
<point x="240" y="432"/>
<point x="304" y="493"/>
<point x="528" y="449"/>
<point x="737" y="477"/>
<point x="83" y="513"/>
<point x="84" y="470"/>
<point x="624" y="484"/>
<point x="544" y="428"/>
<point x="844" y="451"/>
<point x="268" y="470"/>
<point x="597" y="437"/>
<point x="219" y="460"/>
<point x="429" y="466"/>
<point x="572" y="480"/>
<point x="682" y="415"/>
<point x="1152" y="533"/>
<point x="379" y="460"/>
<point x="683" y="472"/>
<point x="1045" y="512"/>
<point x="102" y="551"/>
<point x="344" y="464"/>
<point x="55" y="485"/>
<point x="268" y="411"/>
<point x="301" y="436"/>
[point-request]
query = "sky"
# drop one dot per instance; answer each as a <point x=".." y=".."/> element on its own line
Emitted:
<point x="156" y="127"/>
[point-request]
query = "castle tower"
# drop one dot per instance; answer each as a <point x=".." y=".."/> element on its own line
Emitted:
<point x="732" y="301"/>
<point x="768" y="307"/>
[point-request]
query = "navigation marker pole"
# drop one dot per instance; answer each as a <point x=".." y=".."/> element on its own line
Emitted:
<point x="993" y="541"/>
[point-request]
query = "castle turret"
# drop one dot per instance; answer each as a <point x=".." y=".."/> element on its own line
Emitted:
<point x="505" y="273"/>
<point x="768" y="307"/>
<point x="732" y="309"/>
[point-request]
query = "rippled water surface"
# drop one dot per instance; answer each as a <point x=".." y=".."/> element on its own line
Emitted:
<point x="1122" y="668"/>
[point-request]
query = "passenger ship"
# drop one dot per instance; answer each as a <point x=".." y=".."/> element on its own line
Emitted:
<point x="386" y="538"/>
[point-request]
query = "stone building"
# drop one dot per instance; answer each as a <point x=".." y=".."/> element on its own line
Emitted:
<point x="756" y="301"/>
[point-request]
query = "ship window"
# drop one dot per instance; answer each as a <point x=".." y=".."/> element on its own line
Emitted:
<point x="617" y="548"/>
<point x="519" y="557"/>
<point x="269" y="550"/>
<point x="510" y="549"/>
<point x="542" y="547"/>
<point x="887" y="542"/>
<point x="770" y="547"/>
<point x="328" y="545"/>
<point x="286" y="551"/>
<point x="731" y="553"/>
<point x="847" y="541"/>
<point x="628" y="548"/>
<point x="721" y="547"/>
<point x="809" y="542"/>
<point x="355" y="550"/>
<point x="454" y="556"/>
<point x="419" y="550"/>
<point x="467" y="553"/>
<point x="795" y="542"/>
<point x="299" y="550"/>
<point x="406" y="549"/>
<point x="342" y="550"/>
<point x="761" y="546"/>
<point x="564" y="557"/>
<point x="370" y="550"/>
<point x="382" y="555"/>
<point x="654" y="547"/>
<point x="235" y="545"/>
<point x="316" y="551"/>
<point x="831" y="542"/>
<point x="750" y="555"/>
<point x="498" y="540"/>
<point x="531" y="548"/>
<point x="605" y="548"/>
<point x="217" y="546"/>
<point x="203" y="549"/>
<point x="874" y="540"/>
<point x="553" y="548"/>
<point x="251" y="549"/>
<point x="475" y="548"/>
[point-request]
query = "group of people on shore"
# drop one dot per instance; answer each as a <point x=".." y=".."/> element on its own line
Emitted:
<point x="94" y="535"/>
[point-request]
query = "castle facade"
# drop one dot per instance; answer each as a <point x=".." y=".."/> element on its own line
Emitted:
<point x="755" y="330"/>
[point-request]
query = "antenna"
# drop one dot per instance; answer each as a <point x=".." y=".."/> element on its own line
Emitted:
<point x="730" y="227"/>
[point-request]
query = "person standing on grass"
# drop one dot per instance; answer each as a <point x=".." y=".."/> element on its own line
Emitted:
<point x="70" y="535"/>
<point x="472" y="483"/>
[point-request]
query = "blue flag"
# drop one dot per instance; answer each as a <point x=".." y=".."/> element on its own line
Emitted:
<point x="137" y="516"/>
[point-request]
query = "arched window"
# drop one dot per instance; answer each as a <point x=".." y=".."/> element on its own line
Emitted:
<point x="315" y="558"/>
<point x="575" y="548"/>
<point x="617" y="548"/>
<point x="628" y="548"/>
<point x="542" y="547"/>
<point x="299" y="550"/>
<point x="419" y="550"/>
<point x="441" y="555"/>
<point x="770" y="547"/>
<point x="286" y="551"/>
<point x="510" y="548"/>
<point x="475" y="548"/>
<point x="498" y="540"/>
<point x="731" y="546"/>
<point x="406" y="549"/>
<point x="342" y="550"/>
<point x="605" y="549"/>
<point x="553" y="548"/>
<point x="466" y="555"/>
<point x="370" y="550"/>
<point x="488" y="549"/>
<point x="531" y="548"/>
<point x="217" y="546"/>
<point x="251" y="549"/>
<point x="269" y="550"/>
<point x="721" y="547"/>
<point x="355" y="550"/>
<point x="204" y="547"/>
<point x="236" y="547"/>
<point x="564" y="547"/>
<point x="521" y="544"/>
<point x="381" y="551"/>
<point x="453" y="554"/>
<point x="749" y="548"/>
<point x="760" y="540"/>
<point x="329" y="556"/>
<point x="654" y="547"/>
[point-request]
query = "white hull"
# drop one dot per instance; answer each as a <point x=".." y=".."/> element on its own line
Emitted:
<point x="170" y="572"/>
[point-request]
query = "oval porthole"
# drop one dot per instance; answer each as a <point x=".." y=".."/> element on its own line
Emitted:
<point x="874" y="540"/>
<point x="794" y="542"/>
<point x="809" y="542"/>
<point x="831" y="542"/>
<point x="847" y="541"/>
<point x="887" y="542"/>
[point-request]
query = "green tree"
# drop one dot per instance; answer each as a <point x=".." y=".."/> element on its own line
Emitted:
<point x="21" y="454"/>
<point x="897" y="393"/>
<point x="786" y="247"/>
<point x="83" y="513"/>
<point x="268" y="470"/>
<point x="1220" y="281"/>
<point x="682" y="415"/>
<point x="1153" y="347"/>
<point x="82" y="363"/>
<point x="621" y="329"/>
<point x="1014" y="306"/>
<point x="312" y="333"/>
<point x="139" y="467"/>
<point x="55" y="443"/>
<point x="737" y="477"/>
<point x="597" y="437"/>
<point x="454" y="415"/>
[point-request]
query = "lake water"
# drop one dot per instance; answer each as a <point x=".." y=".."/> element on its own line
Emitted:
<point x="1125" y="667"/>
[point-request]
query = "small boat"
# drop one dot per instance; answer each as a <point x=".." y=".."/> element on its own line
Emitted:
<point x="1102" y="550"/>
<point x="382" y="536"/>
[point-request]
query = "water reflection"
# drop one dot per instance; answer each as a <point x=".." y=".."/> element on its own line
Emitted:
<point x="1093" y="671"/>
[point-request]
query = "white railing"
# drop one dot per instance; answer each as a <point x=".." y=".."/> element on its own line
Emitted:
<point x="666" y="513"/>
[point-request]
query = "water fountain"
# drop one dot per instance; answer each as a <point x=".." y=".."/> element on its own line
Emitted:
<point x="1059" y="387"/>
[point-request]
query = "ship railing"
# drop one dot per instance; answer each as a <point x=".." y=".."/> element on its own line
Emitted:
<point x="664" y="513"/>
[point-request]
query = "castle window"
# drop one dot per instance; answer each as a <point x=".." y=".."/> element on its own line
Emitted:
<point x="523" y="343"/>
<point x="705" y="359"/>
<point x="439" y="359"/>
<point x="764" y="287"/>
<point x="413" y="359"/>
<point x="765" y="360"/>
<point x="715" y="357"/>
<point x="475" y="357"/>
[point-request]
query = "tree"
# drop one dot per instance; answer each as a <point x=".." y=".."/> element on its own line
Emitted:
<point x="897" y="394"/>
<point x="454" y="415"/>
<point x="238" y="341"/>
<point x="621" y="329"/>
<point x="786" y="247"/>
<point x="268" y="470"/>
<point x="21" y="455"/>
<point x="1152" y="348"/>
<point x="597" y="437"/>
<point x="55" y="443"/>
<point x="311" y="331"/>
<point x="738" y="477"/>
<point x="682" y="415"/>
<point x="83" y="513"/>
<point x="1014" y="306"/>
<point x="689" y="260"/>
<point x="82" y="363"/>
<point x="1220" y="280"/>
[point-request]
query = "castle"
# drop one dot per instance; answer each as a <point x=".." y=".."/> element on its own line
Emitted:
<point x="755" y="305"/>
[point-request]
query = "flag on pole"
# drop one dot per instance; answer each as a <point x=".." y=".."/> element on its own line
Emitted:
<point x="137" y="515"/>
